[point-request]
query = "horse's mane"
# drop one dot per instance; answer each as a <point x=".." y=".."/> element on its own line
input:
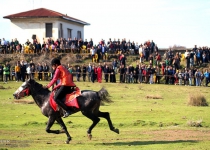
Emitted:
<point x="39" y="86"/>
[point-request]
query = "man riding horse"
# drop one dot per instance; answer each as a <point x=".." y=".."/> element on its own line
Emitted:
<point x="65" y="86"/>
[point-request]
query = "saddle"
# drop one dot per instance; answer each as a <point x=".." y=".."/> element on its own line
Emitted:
<point x="70" y="99"/>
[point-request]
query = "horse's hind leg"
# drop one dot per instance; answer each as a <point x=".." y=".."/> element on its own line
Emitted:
<point x="107" y="117"/>
<point x="63" y="126"/>
<point x="95" y="120"/>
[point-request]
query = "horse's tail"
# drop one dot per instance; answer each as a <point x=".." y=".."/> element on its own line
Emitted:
<point x="104" y="95"/>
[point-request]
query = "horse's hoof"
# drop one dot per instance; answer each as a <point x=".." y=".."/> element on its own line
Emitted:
<point x="89" y="136"/>
<point x="116" y="131"/>
<point x="62" y="131"/>
<point x="67" y="142"/>
<point x="58" y="132"/>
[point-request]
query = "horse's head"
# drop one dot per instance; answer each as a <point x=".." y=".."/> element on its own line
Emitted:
<point x="29" y="87"/>
<point x="22" y="91"/>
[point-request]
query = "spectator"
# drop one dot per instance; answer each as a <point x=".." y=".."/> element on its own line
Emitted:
<point x="28" y="72"/>
<point x="89" y="69"/>
<point x="23" y="71"/>
<point x="112" y="75"/>
<point x="6" y="72"/>
<point x="198" y="77"/>
<point x="17" y="71"/>
<point x="46" y="71"/>
<point x="106" y="72"/>
<point x="141" y="54"/>
<point x="99" y="73"/>
<point x="78" y="71"/>
<point x="122" y="74"/>
<point x="1" y="72"/>
<point x="206" y="75"/>
<point x="92" y="51"/>
<point x="40" y="70"/>
<point x="114" y="64"/>
<point x="93" y="74"/>
<point x="198" y="57"/>
<point x="158" y="74"/>
<point x="84" y="72"/>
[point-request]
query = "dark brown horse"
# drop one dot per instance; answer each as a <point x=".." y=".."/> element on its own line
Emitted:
<point x="89" y="103"/>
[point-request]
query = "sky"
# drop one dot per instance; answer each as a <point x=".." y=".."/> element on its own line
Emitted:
<point x="166" y="22"/>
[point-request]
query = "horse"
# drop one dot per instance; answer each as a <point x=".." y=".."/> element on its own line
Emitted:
<point x="89" y="103"/>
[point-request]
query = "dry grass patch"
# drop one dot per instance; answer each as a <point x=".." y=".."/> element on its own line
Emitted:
<point x="154" y="97"/>
<point x="197" y="100"/>
<point x="1" y="87"/>
<point x="24" y="101"/>
<point x="195" y="123"/>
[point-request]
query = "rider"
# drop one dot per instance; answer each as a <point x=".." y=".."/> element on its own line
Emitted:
<point x="65" y="86"/>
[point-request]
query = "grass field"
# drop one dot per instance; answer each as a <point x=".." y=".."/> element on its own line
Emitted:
<point x="148" y="116"/>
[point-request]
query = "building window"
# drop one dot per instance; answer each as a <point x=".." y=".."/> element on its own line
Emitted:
<point x="48" y="27"/>
<point x="69" y="32"/>
<point x="61" y="30"/>
<point x="79" y="35"/>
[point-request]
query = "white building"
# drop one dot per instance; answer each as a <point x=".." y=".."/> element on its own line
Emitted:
<point x="44" y="23"/>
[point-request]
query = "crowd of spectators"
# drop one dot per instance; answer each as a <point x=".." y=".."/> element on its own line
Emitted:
<point x="152" y="67"/>
<point x="73" y="45"/>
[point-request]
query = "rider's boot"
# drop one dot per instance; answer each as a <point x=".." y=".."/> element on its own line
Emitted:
<point x="68" y="112"/>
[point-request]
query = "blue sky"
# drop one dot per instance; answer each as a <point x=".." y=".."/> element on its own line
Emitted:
<point x="166" y="22"/>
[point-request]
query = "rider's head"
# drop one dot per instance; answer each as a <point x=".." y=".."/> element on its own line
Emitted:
<point x="55" y="62"/>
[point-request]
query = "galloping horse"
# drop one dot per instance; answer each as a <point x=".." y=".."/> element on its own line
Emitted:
<point x="88" y="101"/>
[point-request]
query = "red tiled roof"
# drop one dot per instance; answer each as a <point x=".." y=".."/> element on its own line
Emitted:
<point x="44" y="13"/>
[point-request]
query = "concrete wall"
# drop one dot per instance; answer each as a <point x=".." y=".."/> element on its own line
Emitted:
<point x="73" y="26"/>
<point x="23" y="29"/>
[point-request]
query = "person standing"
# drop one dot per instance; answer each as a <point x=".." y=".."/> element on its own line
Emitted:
<point x="1" y="72"/>
<point x="78" y="71"/>
<point x="9" y="67"/>
<point x="198" y="77"/>
<point x="92" y="74"/>
<point x="114" y="64"/>
<point x="6" y="73"/>
<point x="89" y="68"/>
<point x="40" y="70"/>
<point x="106" y="72"/>
<point x="122" y="74"/>
<point x="99" y="74"/>
<point x="46" y="71"/>
<point x="17" y="71"/>
<point x="28" y="72"/>
<point x="112" y="75"/>
<point x="84" y="72"/>
<point x="206" y="75"/>
<point x="23" y="71"/>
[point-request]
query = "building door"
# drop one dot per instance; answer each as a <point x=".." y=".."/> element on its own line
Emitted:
<point x="48" y="28"/>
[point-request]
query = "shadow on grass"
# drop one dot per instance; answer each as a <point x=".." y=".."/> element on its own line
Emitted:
<point x="148" y="142"/>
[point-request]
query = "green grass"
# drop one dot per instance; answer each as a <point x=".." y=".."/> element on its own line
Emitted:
<point x="144" y="123"/>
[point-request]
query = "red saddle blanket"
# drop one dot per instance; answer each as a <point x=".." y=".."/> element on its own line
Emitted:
<point x="70" y="99"/>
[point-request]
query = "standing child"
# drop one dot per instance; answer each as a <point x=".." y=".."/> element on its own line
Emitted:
<point x="180" y="77"/>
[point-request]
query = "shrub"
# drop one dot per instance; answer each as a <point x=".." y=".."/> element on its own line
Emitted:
<point x="197" y="100"/>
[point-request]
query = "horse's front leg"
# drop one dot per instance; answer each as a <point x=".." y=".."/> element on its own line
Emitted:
<point x="63" y="126"/>
<point x="49" y="125"/>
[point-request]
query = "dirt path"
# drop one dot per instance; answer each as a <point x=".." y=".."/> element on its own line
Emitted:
<point x="173" y="135"/>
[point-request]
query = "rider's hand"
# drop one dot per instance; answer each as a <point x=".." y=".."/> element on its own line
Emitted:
<point x="45" y="87"/>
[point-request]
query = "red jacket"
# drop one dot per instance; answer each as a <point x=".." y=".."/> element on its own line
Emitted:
<point x="64" y="75"/>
